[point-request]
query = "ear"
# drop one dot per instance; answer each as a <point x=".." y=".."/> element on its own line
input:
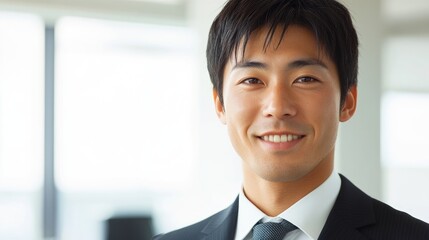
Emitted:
<point x="349" y="107"/>
<point x="219" y="107"/>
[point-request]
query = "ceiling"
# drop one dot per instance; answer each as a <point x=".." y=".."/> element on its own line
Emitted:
<point x="172" y="11"/>
<point x="411" y="12"/>
<point x="404" y="10"/>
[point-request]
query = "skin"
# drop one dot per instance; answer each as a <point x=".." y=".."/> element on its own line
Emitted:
<point x="292" y="88"/>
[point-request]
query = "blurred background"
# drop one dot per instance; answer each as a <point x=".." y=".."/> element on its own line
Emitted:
<point x="106" y="114"/>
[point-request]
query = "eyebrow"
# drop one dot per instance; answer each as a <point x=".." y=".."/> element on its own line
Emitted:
<point x="300" y="63"/>
<point x="250" y="64"/>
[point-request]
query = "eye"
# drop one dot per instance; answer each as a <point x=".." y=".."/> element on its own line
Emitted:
<point x="252" y="81"/>
<point x="306" y="80"/>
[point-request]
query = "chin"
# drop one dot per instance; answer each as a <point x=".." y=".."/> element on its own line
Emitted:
<point x="282" y="175"/>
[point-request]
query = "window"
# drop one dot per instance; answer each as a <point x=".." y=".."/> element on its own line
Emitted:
<point x="21" y="125"/>
<point x="404" y="127"/>
<point x="124" y="97"/>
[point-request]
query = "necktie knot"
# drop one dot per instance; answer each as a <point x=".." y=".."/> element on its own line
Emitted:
<point x="272" y="230"/>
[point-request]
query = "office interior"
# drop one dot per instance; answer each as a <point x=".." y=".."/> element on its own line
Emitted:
<point x="106" y="116"/>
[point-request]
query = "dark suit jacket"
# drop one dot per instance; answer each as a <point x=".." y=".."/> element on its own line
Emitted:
<point x="354" y="216"/>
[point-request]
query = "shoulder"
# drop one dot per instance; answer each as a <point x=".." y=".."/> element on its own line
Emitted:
<point x="223" y="220"/>
<point x="189" y="232"/>
<point x="394" y="224"/>
<point x="378" y="220"/>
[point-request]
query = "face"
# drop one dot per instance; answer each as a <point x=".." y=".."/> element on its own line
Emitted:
<point x="282" y="106"/>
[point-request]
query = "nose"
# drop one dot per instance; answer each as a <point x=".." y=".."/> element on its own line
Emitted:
<point x="279" y="103"/>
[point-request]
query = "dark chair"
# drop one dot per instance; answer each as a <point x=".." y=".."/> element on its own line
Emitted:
<point x="129" y="228"/>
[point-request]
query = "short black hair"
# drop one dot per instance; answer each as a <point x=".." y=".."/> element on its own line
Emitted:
<point x="328" y="20"/>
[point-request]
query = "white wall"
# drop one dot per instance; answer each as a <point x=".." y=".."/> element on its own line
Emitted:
<point x="219" y="168"/>
<point x="359" y="140"/>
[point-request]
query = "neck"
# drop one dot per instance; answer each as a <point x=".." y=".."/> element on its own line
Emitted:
<point x="273" y="198"/>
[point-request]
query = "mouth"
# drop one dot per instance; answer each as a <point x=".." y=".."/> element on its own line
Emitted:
<point x="280" y="138"/>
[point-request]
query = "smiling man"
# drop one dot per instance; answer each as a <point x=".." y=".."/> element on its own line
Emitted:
<point x="285" y="75"/>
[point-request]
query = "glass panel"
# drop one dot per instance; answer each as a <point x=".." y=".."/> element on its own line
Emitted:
<point x="404" y="151"/>
<point x="404" y="123"/>
<point x="405" y="119"/>
<point x="405" y="64"/>
<point x="124" y="114"/>
<point x="21" y="125"/>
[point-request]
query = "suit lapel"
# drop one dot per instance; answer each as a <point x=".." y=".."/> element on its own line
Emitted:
<point x="352" y="209"/>
<point x="223" y="225"/>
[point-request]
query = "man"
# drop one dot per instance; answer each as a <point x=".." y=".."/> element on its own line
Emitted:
<point x="285" y="75"/>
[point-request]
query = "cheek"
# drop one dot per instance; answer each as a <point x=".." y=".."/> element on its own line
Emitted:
<point x="240" y="115"/>
<point x="324" y="114"/>
<point x="240" y="109"/>
<point x="328" y="125"/>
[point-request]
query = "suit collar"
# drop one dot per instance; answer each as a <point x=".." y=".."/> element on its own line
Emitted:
<point x="223" y="224"/>
<point x="353" y="209"/>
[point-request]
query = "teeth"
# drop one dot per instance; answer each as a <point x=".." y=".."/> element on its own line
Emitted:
<point x="280" y="138"/>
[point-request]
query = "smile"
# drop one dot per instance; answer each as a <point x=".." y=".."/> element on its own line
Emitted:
<point x="281" y="138"/>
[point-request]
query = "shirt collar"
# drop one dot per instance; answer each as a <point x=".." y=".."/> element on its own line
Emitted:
<point x="248" y="216"/>
<point x="309" y="214"/>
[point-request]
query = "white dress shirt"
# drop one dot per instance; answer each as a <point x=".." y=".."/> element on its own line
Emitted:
<point x="309" y="214"/>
